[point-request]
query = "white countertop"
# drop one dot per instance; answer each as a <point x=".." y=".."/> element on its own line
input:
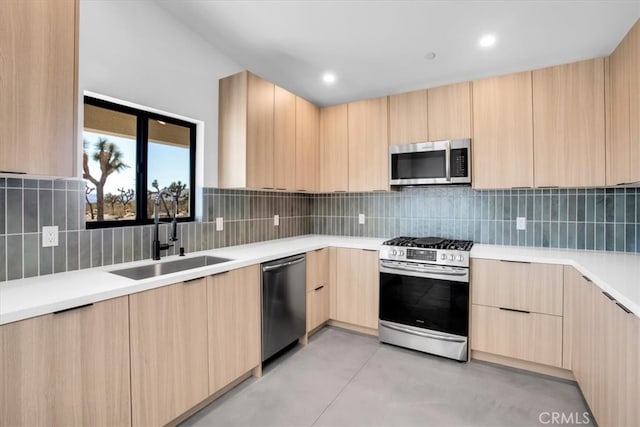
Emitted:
<point x="35" y="296"/>
<point x="616" y="273"/>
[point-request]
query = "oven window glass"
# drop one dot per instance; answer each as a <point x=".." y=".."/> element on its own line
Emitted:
<point x="426" y="164"/>
<point x="439" y="305"/>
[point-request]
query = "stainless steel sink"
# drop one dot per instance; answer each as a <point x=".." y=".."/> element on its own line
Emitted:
<point x="160" y="268"/>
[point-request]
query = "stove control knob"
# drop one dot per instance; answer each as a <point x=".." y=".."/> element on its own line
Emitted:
<point x="452" y="257"/>
<point x="443" y="257"/>
<point x="394" y="252"/>
<point x="401" y="253"/>
<point x="460" y="258"/>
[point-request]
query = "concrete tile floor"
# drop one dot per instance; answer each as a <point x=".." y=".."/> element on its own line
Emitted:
<point x="347" y="379"/>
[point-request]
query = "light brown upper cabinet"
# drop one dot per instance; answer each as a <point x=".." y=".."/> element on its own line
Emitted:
<point x="368" y="146"/>
<point x="307" y="145"/>
<point x="449" y="111"/>
<point x="245" y="132"/>
<point x="624" y="119"/>
<point x="69" y="368"/>
<point x="169" y="366"/>
<point x="284" y="140"/>
<point x="334" y="149"/>
<point x="568" y="125"/>
<point x="408" y="118"/>
<point x="502" y="132"/>
<point x="38" y="87"/>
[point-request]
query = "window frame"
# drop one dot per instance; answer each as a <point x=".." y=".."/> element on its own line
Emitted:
<point x="142" y="145"/>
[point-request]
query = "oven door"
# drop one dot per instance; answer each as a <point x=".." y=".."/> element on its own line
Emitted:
<point x="438" y="301"/>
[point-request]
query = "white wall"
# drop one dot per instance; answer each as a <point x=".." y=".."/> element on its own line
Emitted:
<point x="135" y="51"/>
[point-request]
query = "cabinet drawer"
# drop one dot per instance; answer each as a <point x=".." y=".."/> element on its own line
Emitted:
<point x="317" y="307"/>
<point x="317" y="268"/>
<point x="527" y="336"/>
<point x="521" y="286"/>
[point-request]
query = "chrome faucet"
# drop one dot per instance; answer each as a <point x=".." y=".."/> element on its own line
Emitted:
<point x="157" y="246"/>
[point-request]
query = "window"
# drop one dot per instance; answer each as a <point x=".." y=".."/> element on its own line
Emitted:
<point x="129" y="156"/>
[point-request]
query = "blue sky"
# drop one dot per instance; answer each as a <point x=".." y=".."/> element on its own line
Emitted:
<point x="166" y="163"/>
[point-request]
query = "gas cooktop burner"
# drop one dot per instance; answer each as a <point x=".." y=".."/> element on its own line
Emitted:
<point x="430" y="243"/>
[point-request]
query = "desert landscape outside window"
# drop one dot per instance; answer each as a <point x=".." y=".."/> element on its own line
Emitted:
<point x="129" y="155"/>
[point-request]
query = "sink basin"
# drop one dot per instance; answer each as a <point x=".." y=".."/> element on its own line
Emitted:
<point x="160" y="268"/>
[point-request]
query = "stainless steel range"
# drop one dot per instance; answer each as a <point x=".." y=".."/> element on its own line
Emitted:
<point x="424" y="295"/>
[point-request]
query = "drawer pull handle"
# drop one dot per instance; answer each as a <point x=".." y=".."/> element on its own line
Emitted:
<point x="191" y="280"/>
<point x="586" y="278"/>
<point x="319" y="287"/>
<point x="370" y="250"/>
<point x="73" y="308"/>
<point x="606" y="294"/>
<point x="625" y="309"/>
<point x="513" y="309"/>
<point x="516" y="262"/>
<point x="217" y="274"/>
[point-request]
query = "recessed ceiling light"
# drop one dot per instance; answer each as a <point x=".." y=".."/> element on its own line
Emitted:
<point x="487" y="40"/>
<point x="161" y="122"/>
<point x="430" y="55"/>
<point x="329" y="78"/>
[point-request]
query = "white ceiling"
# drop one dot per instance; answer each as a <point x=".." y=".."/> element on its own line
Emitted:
<point x="377" y="48"/>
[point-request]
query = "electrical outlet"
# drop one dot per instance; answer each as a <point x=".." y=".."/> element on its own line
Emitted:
<point x="361" y="219"/>
<point x="521" y="223"/>
<point x="219" y="223"/>
<point x="276" y="220"/>
<point x="49" y="236"/>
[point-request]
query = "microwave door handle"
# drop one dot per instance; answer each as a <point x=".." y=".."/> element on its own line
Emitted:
<point x="447" y="159"/>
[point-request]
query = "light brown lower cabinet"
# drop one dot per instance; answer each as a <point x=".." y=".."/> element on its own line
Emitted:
<point x="520" y="335"/>
<point x="233" y="301"/>
<point x="169" y="363"/>
<point x="605" y="353"/>
<point x="357" y="287"/>
<point x="317" y="307"/>
<point x="318" y="267"/>
<point x="69" y="368"/>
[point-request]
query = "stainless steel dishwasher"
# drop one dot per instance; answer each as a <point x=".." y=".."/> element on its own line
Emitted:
<point x="283" y="303"/>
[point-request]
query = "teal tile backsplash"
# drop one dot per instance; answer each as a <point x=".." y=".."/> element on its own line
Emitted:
<point x="591" y="219"/>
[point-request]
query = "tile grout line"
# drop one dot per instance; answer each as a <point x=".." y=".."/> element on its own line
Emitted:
<point x="345" y="386"/>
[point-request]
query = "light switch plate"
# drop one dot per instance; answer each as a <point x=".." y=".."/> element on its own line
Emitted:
<point x="521" y="223"/>
<point x="361" y="219"/>
<point x="219" y="223"/>
<point x="276" y="220"/>
<point x="49" y="236"/>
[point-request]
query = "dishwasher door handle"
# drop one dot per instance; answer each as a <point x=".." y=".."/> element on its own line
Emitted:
<point x="284" y="264"/>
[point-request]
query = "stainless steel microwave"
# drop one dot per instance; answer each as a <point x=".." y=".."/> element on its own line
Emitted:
<point x="438" y="162"/>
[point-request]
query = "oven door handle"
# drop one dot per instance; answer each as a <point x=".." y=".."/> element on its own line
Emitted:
<point x="422" y="334"/>
<point x="422" y="271"/>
